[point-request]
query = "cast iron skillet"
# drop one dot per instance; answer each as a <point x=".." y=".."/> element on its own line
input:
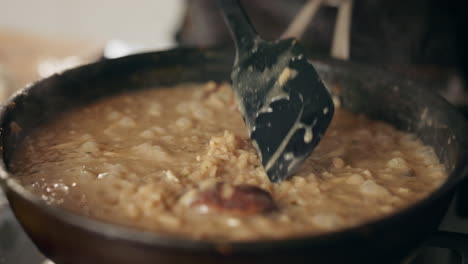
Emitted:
<point x="69" y="238"/>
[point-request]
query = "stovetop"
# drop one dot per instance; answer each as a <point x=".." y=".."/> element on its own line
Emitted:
<point x="17" y="248"/>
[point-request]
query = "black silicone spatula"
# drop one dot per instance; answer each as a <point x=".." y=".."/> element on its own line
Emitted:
<point x="285" y="105"/>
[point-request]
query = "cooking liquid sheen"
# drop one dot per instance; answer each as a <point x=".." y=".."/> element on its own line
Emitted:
<point x="177" y="160"/>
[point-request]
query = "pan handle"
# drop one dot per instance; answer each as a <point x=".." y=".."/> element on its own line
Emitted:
<point x="449" y="240"/>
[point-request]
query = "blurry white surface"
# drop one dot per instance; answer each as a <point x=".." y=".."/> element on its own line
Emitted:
<point x="115" y="48"/>
<point x="152" y="23"/>
<point x="49" y="66"/>
<point x="5" y="86"/>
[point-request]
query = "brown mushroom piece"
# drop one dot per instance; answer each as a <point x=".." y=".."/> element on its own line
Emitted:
<point x="240" y="200"/>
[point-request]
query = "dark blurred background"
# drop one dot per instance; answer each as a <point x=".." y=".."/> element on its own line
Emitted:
<point x="422" y="39"/>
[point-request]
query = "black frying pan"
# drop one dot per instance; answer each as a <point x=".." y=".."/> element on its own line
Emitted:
<point x="69" y="238"/>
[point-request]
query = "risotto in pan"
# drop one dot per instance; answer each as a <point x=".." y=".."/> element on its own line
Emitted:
<point x="177" y="160"/>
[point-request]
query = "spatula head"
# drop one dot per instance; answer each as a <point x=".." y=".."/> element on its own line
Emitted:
<point x="285" y="104"/>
